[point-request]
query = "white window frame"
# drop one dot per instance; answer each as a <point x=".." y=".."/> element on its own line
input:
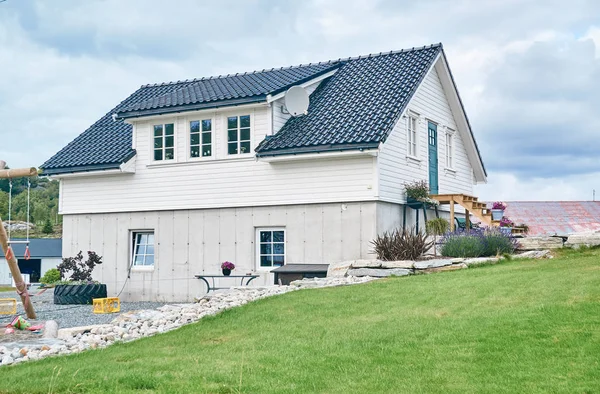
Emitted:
<point x="412" y="135"/>
<point x="258" y="249"/>
<point x="450" y="149"/>
<point x="189" y="145"/>
<point x="164" y="140"/>
<point x="238" y="130"/>
<point x="133" y="234"/>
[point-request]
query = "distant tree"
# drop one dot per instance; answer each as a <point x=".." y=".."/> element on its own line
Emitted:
<point x="48" y="229"/>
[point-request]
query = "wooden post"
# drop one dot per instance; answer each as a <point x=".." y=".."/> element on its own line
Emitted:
<point x="12" y="260"/>
<point x="452" y="214"/>
<point x="467" y="219"/>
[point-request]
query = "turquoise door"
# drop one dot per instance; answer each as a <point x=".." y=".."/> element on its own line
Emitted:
<point x="433" y="157"/>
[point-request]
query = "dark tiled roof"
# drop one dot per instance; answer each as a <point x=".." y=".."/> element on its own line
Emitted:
<point x="39" y="247"/>
<point x="358" y="106"/>
<point x="107" y="143"/>
<point x="238" y="86"/>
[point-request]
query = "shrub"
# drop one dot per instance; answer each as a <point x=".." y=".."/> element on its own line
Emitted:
<point x="478" y="243"/>
<point x="51" y="276"/>
<point x="401" y="245"/>
<point x="47" y="229"/>
<point x="80" y="270"/>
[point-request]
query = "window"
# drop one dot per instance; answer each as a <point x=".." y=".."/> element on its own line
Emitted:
<point x="164" y="142"/>
<point x="143" y="249"/>
<point x="412" y="135"/>
<point x="449" y="149"/>
<point x="271" y="247"/>
<point x="200" y="138"/>
<point x="238" y="134"/>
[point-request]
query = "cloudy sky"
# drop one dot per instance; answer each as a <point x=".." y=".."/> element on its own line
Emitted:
<point x="529" y="74"/>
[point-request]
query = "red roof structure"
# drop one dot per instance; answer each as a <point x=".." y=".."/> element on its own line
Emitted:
<point x="555" y="217"/>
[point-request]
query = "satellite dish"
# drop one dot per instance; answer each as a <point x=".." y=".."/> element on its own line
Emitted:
<point x="296" y="101"/>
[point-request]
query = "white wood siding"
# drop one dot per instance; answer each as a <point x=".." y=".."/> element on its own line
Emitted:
<point x="218" y="181"/>
<point x="395" y="168"/>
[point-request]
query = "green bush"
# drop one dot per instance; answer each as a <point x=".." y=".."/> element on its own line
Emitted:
<point x="477" y="243"/>
<point x="462" y="246"/>
<point x="50" y="277"/>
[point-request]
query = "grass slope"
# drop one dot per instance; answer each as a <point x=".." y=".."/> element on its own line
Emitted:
<point x="520" y="326"/>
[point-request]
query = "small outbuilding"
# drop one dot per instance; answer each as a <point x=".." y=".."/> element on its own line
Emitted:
<point x="46" y="253"/>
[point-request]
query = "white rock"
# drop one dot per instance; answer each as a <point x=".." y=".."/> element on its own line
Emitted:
<point x="366" y="264"/>
<point x="539" y="243"/>
<point x="379" y="273"/>
<point x="480" y="260"/>
<point x="407" y="264"/>
<point x="339" y="269"/>
<point x="533" y="254"/>
<point x="7" y="360"/>
<point x="433" y="263"/>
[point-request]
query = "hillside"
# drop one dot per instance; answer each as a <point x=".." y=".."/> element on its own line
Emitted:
<point x="520" y="326"/>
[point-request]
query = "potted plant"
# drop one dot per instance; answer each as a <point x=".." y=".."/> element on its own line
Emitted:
<point x="417" y="194"/>
<point x="227" y="267"/>
<point x="506" y="225"/>
<point x="498" y="209"/>
<point x="79" y="288"/>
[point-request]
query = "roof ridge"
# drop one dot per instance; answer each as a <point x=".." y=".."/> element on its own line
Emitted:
<point x="321" y="63"/>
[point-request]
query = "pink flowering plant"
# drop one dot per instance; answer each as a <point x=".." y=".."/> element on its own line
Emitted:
<point x="499" y="205"/>
<point x="506" y="222"/>
<point x="227" y="265"/>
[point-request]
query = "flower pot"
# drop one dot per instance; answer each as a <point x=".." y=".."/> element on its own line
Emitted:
<point x="497" y="214"/>
<point x="506" y="230"/>
<point x="226" y="271"/>
<point x="78" y="294"/>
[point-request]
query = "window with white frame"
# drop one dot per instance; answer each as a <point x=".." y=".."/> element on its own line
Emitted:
<point x="164" y="142"/>
<point x="201" y="138"/>
<point x="449" y="149"/>
<point x="238" y="134"/>
<point x="270" y="247"/>
<point x="143" y="249"/>
<point x="412" y="125"/>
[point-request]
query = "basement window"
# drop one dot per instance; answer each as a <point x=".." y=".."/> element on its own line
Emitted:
<point x="164" y="142"/>
<point x="270" y="247"/>
<point x="238" y="135"/>
<point x="143" y="249"/>
<point x="201" y="138"/>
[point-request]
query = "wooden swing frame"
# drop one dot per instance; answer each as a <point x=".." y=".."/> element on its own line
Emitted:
<point x="11" y="260"/>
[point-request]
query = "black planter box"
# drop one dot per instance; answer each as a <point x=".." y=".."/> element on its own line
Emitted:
<point x="78" y="294"/>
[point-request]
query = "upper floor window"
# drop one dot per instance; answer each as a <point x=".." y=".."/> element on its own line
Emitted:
<point x="449" y="149"/>
<point x="164" y="142"/>
<point x="412" y="123"/>
<point x="201" y="138"/>
<point x="238" y="134"/>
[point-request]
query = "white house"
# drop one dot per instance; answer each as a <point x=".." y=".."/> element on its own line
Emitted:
<point x="182" y="176"/>
<point x="45" y="253"/>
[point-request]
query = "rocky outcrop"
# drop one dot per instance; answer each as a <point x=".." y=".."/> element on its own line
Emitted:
<point x="577" y="240"/>
<point x="379" y="273"/>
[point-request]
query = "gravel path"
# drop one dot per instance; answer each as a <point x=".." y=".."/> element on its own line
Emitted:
<point x="69" y="315"/>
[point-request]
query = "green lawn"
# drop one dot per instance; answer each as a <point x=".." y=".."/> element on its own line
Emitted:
<point x="6" y="288"/>
<point x="519" y="326"/>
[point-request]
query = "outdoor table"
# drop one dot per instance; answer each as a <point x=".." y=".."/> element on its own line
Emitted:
<point x="205" y="278"/>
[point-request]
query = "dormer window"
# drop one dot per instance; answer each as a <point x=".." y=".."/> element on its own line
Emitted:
<point x="164" y="142"/>
<point x="201" y="138"/>
<point x="238" y="134"/>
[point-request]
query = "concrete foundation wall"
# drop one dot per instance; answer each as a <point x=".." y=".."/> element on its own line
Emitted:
<point x="190" y="242"/>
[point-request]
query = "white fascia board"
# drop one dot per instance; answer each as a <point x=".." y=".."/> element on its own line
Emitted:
<point x="125" y="168"/>
<point x="460" y="117"/>
<point x="270" y="98"/>
<point x="200" y="112"/>
<point x="324" y="155"/>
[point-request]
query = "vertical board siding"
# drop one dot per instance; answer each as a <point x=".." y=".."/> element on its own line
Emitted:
<point x="190" y="242"/>
<point x="395" y="168"/>
<point x="217" y="181"/>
